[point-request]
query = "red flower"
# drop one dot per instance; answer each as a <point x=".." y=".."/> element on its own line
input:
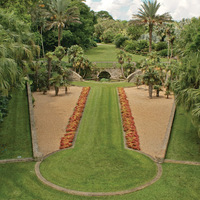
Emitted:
<point x="132" y="138"/>
<point x="74" y="120"/>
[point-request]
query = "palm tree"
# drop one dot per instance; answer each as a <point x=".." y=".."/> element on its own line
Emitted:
<point x="73" y="52"/>
<point x="61" y="15"/>
<point x="147" y="15"/>
<point x="49" y="57"/>
<point x="56" y="81"/>
<point x="16" y="50"/>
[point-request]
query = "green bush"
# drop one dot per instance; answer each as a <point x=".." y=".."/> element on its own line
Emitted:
<point x="4" y="106"/>
<point x="108" y="36"/>
<point x="143" y="45"/>
<point x="163" y="53"/>
<point x="119" y="40"/>
<point x="160" y="46"/>
<point x="131" y="46"/>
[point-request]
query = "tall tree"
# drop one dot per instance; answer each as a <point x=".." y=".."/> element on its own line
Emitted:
<point x="61" y="14"/>
<point x="148" y="15"/>
<point x="17" y="50"/>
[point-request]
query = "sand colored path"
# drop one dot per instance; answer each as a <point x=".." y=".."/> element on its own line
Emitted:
<point x="151" y="118"/>
<point x="51" y="116"/>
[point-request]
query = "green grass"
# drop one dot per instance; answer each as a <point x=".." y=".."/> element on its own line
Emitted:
<point x="15" y="137"/>
<point x="106" y="53"/>
<point x="19" y="182"/>
<point x="99" y="162"/>
<point x="184" y="141"/>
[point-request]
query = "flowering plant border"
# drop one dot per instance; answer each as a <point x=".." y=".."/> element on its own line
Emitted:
<point x="132" y="138"/>
<point x="74" y="120"/>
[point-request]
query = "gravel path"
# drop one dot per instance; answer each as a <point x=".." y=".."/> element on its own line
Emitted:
<point x="51" y="116"/>
<point x="151" y="118"/>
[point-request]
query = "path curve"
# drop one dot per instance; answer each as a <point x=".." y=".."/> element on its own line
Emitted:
<point x="81" y="193"/>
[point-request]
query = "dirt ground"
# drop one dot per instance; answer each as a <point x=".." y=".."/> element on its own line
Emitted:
<point x="51" y="116"/>
<point x="151" y="118"/>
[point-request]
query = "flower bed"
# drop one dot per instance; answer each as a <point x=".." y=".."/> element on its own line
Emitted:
<point x="74" y="120"/>
<point x="132" y="138"/>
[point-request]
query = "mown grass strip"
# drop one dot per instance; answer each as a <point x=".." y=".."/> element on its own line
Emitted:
<point x="15" y="136"/>
<point x="184" y="142"/>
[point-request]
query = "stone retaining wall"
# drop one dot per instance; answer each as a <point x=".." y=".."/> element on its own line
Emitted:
<point x="36" y="153"/>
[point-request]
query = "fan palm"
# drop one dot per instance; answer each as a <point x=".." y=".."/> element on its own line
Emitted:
<point x="121" y="56"/>
<point x="148" y="15"/>
<point x="16" y="50"/>
<point x="61" y="15"/>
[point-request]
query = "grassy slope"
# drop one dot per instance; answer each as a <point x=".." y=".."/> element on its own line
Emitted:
<point x="184" y="142"/>
<point x="15" y="135"/>
<point x="99" y="161"/>
<point x="106" y="53"/>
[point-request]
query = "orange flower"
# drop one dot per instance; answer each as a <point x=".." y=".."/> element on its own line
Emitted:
<point x="74" y="120"/>
<point x="132" y="138"/>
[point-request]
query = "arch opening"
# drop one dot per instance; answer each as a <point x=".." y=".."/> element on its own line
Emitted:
<point x="104" y="75"/>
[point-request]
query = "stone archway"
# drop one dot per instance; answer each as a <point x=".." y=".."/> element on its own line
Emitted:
<point x="104" y="74"/>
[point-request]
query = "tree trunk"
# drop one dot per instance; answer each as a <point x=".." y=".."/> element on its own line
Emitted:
<point x="59" y="35"/>
<point x="157" y="93"/>
<point x="42" y="42"/>
<point x="49" y="72"/>
<point x="56" y="90"/>
<point x="168" y="49"/>
<point x="66" y="90"/>
<point x="150" y="37"/>
<point x="122" y="70"/>
<point x="171" y="50"/>
<point x="150" y="90"/>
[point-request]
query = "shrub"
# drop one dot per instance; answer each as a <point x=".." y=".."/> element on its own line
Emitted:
<point x="142" y="45"/>
<point x="163" y="52"/>
<point x="108" y="36"/>
<point x="131" y="46"/>
<point x="161" y="45"/>
<point x="4" y="106"/>
<point x="119" y="40"/>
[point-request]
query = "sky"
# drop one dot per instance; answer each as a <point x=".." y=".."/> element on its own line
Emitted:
<point x="124" y="9"/>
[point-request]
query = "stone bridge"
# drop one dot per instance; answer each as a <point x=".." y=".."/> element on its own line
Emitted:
<point x="112" y="73"/>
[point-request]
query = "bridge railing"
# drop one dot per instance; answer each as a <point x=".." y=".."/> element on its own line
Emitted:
<point x="108" y="64"/>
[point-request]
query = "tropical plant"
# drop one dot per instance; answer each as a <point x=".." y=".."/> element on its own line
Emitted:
<point x="56" y="81"/>
<point x="129" y="67"/>
<point x="189" y="38"/>
<point x="187" y="84"/>
<point x="49" y="57"/>
<point x="17" y="50"/>
<point x="121" y="56"/>
<point x="148" y="15"/>
<point x="66" y="73"/>
<point x="61" y="15"/>
<point x="73" y="52"/>
<point x="82" y="65"/>
<point x="59" y="52"/>
<point x="153" y="74"/>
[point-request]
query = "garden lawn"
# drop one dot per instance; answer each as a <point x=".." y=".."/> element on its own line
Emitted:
<point x="184" y="141"/>
<point x="177" y="182"/>
<point x="107" y="53"/>
<point x="99" y="162"/>
<point x="15" y="136"/>
<point x="19" y="182"/>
